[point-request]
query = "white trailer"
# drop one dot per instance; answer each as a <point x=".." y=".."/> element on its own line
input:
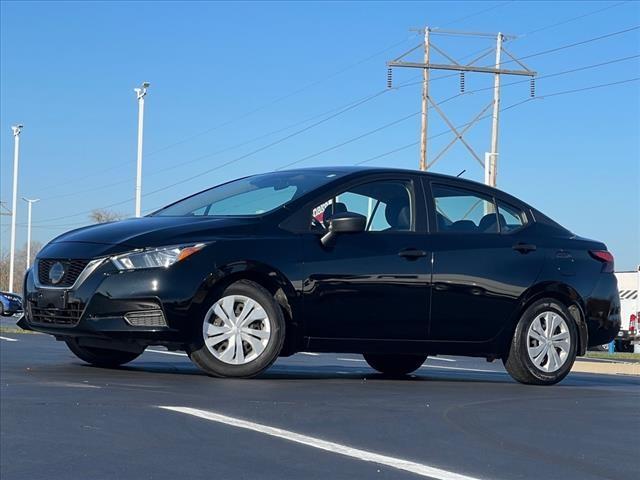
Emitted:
<point x="628" y="287"/>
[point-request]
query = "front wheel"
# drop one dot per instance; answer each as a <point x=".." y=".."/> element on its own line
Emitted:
<point x="544" y="345"/>
<point x="242" y="332"/>
<point x="101" y="357"/>
<point x="394" y="365"/>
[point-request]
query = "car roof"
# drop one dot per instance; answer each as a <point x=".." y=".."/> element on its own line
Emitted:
<point x="354" y="169"/>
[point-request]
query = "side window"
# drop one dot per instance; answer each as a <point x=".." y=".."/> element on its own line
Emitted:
<point x="464" y="211"/>
<point x="387" y="204"/>
<point x="510" y="218"/>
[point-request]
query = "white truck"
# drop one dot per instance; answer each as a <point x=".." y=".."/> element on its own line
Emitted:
<point x="628" y="286"/>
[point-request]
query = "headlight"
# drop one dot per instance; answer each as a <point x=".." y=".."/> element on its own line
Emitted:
<point x="155" y="257"/>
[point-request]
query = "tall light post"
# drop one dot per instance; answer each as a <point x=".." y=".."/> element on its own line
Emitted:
<point x="30" y="202"/>
<point x="14" y="207"/>
<point x="141" y="92"/>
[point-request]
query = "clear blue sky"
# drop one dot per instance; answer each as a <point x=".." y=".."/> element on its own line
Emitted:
<point x="219" y="72"/>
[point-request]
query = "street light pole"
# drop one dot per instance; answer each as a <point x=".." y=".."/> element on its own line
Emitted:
<point x="30" y="202"/>
<point x="140" y="93"/>
<point x="14" y="207"/>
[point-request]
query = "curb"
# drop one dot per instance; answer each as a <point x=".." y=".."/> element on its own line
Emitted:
<point x="606" y="368"/>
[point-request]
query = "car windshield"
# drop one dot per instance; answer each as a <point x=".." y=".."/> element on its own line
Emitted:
<point x="249" y="196"/>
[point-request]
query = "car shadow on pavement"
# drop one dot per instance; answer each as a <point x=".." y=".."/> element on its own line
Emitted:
<point x="296" y="372"/>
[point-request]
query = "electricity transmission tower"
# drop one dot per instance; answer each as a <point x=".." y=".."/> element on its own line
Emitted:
<point x="4" y="210"/>
<point x="490" y="161"/>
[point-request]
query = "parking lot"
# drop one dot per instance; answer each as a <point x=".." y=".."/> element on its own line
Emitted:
<point x="309" y="416"/>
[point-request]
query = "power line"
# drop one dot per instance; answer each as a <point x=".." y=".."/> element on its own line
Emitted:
<point x="242" y="157"/>
<point x="247" y="114"/>
<point x="575" y="44"/>
<point x="475" y="14"/>
<point x="444" y="132"/>
<point x="353" y="104"/>
<point x="592" y="87"/>
<point x="514" y="105"/>
<point x="351" y="140"/>
<point x="340" y="110"/>
<point x="572" y="19"/>
<point x="357" y="102"/>
<point x="540" y="29"/>
<point x="276" y="100"/>
<point x="551" y="75"/>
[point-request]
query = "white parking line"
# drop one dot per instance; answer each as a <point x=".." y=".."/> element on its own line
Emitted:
<point x="8" y="339"/>
<point x="309" y="353"/>
<point x="166" y="352"/>
<point x="351" y="360"/>
<point x="442" y="359"/>
<point x="398" y="463"/>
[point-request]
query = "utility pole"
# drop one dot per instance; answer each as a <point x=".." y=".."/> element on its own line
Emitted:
<point x="30" y="202"/>
<point x="140" y="94"/>
<point x="490" y="161"/>
<point x="16" y="154"/>
<point x="425" y="106"/>
<point x="492" y="167"/>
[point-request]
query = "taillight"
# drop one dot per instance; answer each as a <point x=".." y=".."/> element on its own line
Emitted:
<point x="632" y="324"/>
<point x="605" y="257"/>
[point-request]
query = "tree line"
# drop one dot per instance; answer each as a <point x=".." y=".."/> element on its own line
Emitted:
<point x="20" y="266"/>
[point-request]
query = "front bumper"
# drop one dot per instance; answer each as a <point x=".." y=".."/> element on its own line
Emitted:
<point x="146" y="306"/>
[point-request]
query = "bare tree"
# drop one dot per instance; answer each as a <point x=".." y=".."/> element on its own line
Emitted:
<point x="21" y="266"/>
<point x="101" y="215"/>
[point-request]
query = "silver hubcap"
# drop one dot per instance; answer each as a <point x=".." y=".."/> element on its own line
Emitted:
<point x="236" y="329"/>
<point x="548" y="341"/>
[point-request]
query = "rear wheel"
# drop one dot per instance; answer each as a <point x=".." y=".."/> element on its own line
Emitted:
<point x="544" y="344"/>
<point x="394" y="365"/>
<point x="101" y="357"/>
<point x="242" y="332"/>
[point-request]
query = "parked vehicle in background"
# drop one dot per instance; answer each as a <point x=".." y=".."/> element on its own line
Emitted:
<point x="392" y="264"/>
<point x="10" y="304"/>
<point x="628" y="287"/>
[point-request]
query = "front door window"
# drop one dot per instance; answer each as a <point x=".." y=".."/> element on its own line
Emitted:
<point x="387" y="205"/>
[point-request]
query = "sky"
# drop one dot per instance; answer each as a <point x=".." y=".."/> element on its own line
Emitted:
<point x="240" y="88"/>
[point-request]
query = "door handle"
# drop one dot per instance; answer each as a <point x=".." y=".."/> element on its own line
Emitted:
<point x="524" y="247"/>
<point x="412" y="253"/>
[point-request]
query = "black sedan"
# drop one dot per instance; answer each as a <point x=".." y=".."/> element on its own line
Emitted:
<point x="395" y="265"/>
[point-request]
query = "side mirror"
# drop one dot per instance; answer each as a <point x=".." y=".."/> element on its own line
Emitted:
<point x="346" y="222"/>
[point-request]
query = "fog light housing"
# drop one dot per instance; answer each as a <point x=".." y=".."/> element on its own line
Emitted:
<point x="146" y="318"/>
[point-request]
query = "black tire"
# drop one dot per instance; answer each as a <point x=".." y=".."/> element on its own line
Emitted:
<point x="394" y="365"/>
<point x="101" y="357"/>
<point x="206" y="361"/>
<point x="518" y="362"/>
<point x="1" y="310"/>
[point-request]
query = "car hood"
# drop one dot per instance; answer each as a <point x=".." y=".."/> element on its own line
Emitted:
<point x="116" y="237"/>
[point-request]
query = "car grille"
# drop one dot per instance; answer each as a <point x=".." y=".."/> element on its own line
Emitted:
<point x="72" y="270"/>
<point x="56" y="316"/>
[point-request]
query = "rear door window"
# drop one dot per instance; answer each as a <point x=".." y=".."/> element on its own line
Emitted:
<point x="511" y="218"/>
<point x="464" y="211"/>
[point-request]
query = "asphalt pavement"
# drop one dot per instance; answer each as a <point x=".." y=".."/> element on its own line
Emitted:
<point x="310" y="416"/>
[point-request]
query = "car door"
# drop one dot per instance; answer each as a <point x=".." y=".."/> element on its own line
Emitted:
<point x="372" y="285"/>
<point x="485" y="257"/>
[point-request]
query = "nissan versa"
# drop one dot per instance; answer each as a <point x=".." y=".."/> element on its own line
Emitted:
<point x="395" y="265"/>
